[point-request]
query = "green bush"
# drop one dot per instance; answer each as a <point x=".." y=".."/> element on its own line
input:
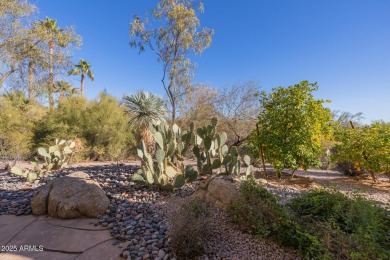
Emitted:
<point x="17" y="121"/>
<point x="331" y="216"/>
<point x="101" y="126"/>
<point x="319" y="224"/>
<point x="367" y="147"/>
<point x="257" y="210"/>
<point x="67" y="121"/>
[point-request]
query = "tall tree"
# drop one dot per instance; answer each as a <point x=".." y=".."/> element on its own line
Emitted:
<point x="292" y="124"/>
<point x="83" y="68"/>
<point x="145" y="109"/>
<point x="176" y="37"/>
<point x="13" y="34"/>
<point x="55" y="36"/>
<point x="65" y="89"/>
<point x="239" y="108"/>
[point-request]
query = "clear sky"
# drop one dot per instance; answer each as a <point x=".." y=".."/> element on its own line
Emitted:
<point x="344" y="45"/>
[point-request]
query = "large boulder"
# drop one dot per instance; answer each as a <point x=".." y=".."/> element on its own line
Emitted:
<point x="72" y="196"/>
<point x="218" y="191"/>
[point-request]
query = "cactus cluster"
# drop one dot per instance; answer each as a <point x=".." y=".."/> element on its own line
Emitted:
<point x="56" y="157"/>
<point x="212" y="152"/>
<point x="27" y="174"/>
<point x="166" y="170"/>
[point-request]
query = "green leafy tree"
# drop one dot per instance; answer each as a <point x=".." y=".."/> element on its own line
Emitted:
<point x="175" y="36"/>
<point x="292" y="125"/>
<point x="83" y="68"/>
<point x="13" y="36"/>
<point x="367" y="147"/>
<point x="145" y="109"/>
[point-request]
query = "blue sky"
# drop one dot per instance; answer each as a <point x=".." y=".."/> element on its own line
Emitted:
<point x="344" y="45"/>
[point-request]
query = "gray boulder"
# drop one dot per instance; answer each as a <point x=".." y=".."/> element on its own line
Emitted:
<point x="72" y="196"/>
<point x="218" y="191"/>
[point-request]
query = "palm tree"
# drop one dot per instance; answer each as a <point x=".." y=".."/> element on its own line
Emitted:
<point x="83" y="68"/>
<point x="146" y="109"/>
<point x="54" y="36"/>
<point x="65" y="89"/>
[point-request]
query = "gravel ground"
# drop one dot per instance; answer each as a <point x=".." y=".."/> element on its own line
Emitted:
<point x="227" y="241"/>
<point x="138" y="216"/>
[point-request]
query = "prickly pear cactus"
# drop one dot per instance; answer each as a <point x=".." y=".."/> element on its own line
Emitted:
<point x="165" y="168"/>
<point x="58" y="155"/>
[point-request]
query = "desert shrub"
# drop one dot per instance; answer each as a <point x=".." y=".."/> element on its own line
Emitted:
<point x="66" y="122"/>
<point x="257" y="210"/>
<point x="17" y="121"/>
<point x="107" y="128"/>
<point x="343" y="228"/>
<point x="348" y="168"/>
<point x="319" y="224"/>
<point x="100" y="126"/>
<point x="190" y="229"/>
<point x="367" y="147"/>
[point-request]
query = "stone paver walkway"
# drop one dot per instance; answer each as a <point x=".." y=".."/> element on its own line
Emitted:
<point x="29" y="237"/>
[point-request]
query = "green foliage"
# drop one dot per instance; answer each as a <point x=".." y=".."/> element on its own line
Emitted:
<point x="319" y="224"/>
<point x="17" y="121"/>
<point x="145" y="108"/>
<point x="344" y="228"/>
<point x="257" y="210"/>
<point x="292" y="125"/>
<point x="190" y="229"/>
<point x="66" y="121"/>
<point x="174" y="38"/>
<point x="166" y="170"/>
<point x="366" y="147"/>
<point x="107" y="126"/>
<point x="102" y="125"/>
<point x="83" y="68"/>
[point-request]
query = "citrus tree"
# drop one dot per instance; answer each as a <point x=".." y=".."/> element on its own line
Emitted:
<point x="367" y="147"/>
<point x="291" y="126"/>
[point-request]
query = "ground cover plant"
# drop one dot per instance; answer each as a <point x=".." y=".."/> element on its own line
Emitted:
<point x="320" y="224"/>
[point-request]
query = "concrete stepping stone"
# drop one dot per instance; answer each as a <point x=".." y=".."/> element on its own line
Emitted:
<point x="63" y="239"/>
<point x="45" y="255"/>
<point x="79" y="223"/>
<point x="105" y="249"/>
<point x="10" y="225"/>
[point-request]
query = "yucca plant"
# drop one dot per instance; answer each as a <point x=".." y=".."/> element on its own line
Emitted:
<point x="146" y="109"/>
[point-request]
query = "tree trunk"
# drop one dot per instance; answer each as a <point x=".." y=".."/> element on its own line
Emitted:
<point x="173" y="112"/>
<point x="31" y="73"/>
<point x="82" y="84"/>
<point x="147" y="136"/>
<point x="261" y="152"/>
<point x="51" y="77"/>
